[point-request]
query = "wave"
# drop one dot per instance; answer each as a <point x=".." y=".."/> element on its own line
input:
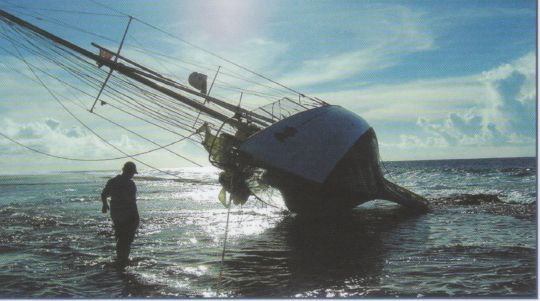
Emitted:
<point x="520" y="171"/>
<point x="486" y="203"/>
<point x="466" y="199"/>
<point x="504" y="252"/>
<point x="179" y="180"/>
<point x="42" y="183"/>
<point x="183" y="180"/>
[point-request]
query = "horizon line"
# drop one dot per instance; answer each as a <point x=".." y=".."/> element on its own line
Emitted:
<point x="206" y="166"/>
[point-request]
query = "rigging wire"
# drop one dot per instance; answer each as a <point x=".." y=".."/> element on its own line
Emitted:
<point x="64" y="25"/>
<point x="225" y="238"/>
<point x="83" y="159"/>
<point x="135" y="40"/>
<point x="246" y="91"/>
<point x="94" y="80"/>
<point x="117" y="124"/>
<point x="84" y="92"/>
<point x="177" y="59"/>
<point x="84" y="124"/>
<point x="147" y="139"/>
<point x="206" y="51"/>
<point x="209" y="68"/>
<point x="55" y="21"/>
<point x="260" y="200"/>
<point x="62" y="10"/>
<point x="146" y="51"/>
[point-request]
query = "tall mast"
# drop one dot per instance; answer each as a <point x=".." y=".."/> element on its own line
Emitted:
<point x="252" y="116"/>
<point x="123" y="69"/>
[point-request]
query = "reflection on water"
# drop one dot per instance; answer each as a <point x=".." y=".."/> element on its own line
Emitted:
<point x="311" y="254"/>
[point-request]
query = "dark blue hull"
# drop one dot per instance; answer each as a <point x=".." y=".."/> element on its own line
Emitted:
<point x="324" y="160"/>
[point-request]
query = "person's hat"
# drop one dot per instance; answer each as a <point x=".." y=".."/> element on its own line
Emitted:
<point x="130" y="167"/>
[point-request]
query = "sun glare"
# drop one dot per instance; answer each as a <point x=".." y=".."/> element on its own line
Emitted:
<point x="228" y="21"/>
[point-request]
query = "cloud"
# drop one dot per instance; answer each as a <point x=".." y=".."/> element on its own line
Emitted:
<point x="467" y="125"/>
<point x="458" y="109"/>
<point x="52" y="123"/>
<point x="51" y="136"/>
<point x="415" y="142"/>
<point x="54" y="137"/>
<point x="494" y="108"/>
<point x="339" y="66"/>
<point x="75" y="132"/>
<point x="512" y="88"/>
<point x="457" y="130"/>
<point x="383" y="37"/>
<point x="407" y="101"/>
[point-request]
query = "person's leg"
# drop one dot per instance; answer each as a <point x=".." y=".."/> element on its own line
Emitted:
<point x="125" y="233"/>
<point x="122" y="251"/>
<point x="130" y="234"/>
<point x="122" y="242"/>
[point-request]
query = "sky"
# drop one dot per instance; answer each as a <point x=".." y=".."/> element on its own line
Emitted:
<point x="435" y="79"/>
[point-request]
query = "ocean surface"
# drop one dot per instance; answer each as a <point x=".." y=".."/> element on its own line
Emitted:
<point x="55" y="242"/>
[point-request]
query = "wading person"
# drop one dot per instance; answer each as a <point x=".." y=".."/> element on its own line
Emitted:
<point x="125" y="216"/>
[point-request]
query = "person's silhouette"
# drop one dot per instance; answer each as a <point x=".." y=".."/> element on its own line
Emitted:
<point x="124" y="212"/>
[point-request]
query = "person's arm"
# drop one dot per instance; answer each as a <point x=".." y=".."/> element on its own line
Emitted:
<point x="104" y="195"/>
<point x="134" y="189"/>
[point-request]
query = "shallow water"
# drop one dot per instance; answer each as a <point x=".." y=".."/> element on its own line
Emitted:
<point x="54" y="241"/>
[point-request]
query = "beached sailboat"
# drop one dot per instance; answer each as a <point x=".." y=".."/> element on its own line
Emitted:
<point x="321" y="157"/>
